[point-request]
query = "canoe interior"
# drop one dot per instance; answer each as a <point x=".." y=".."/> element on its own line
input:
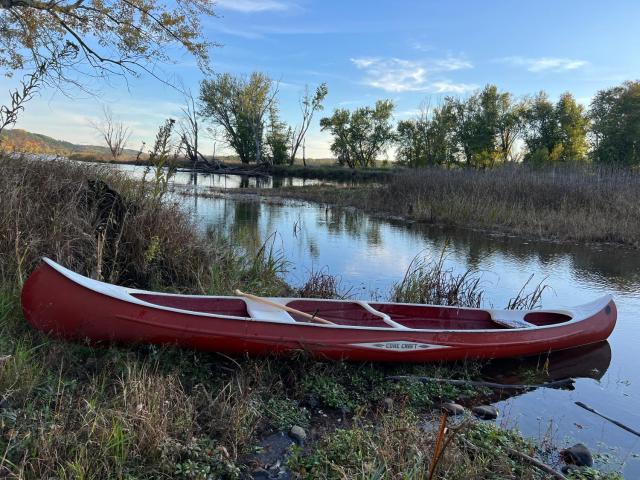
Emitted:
<point x="546" y="318"/>
<point x="351" y="313"/>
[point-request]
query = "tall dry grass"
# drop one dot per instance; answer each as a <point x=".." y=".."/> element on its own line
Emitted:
<point x="567" y="202"/>
<point x="69" y="212"/>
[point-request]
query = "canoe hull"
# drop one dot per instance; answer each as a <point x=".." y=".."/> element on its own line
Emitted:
<point x="56" y="304"/>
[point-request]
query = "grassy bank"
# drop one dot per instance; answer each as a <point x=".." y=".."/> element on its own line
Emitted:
<point x="564" y="203"/>
<point x="75" y="411"/>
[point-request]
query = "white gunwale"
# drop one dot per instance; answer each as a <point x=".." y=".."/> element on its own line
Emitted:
<point x="125" y="294"/>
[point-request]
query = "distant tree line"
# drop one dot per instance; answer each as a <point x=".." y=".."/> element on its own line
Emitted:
<point x="491" y="127"/>
<point x="487" y="128"/>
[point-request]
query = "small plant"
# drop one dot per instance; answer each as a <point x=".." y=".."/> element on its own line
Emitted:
<point x="321" y="284"/>
<point x="428" y="281"/>
<point x="283" y="413"/>
<point x="200" y="459"/>
<point x="162" y="159"/>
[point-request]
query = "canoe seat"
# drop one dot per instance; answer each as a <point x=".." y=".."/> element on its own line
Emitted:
<point x="511" y="319"/>
<point x="261" y="311"/>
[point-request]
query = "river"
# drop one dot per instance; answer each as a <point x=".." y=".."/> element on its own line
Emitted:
<point x="369" y="255"/>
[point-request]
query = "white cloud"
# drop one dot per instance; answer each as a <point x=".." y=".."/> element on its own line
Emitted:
<point x="398" y="75"/>
<point x="364" y="62"/>
<point x="453" y="63"/>
<point x="546" y="64"/>
<point x="253" y="6"/>
<point x="452" y="87"/>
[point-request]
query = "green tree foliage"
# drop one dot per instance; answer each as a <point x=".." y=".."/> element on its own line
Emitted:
<point x="555" y="132"/>
<point x="476" y="126"/>
<point x="360" y="136"/>
<point x="541" y="136"/>
<point x="239" y="106"/>
<point x="510" y="125"/>
<point x="277" y="139"/>
<point x="573" y="126"/>
<point x="479" y="130"/>
<point x="428" y="139"/>
<point x="615" y="114"/>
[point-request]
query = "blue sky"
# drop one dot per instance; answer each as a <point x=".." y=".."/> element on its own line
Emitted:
<point x="404" y="50"/>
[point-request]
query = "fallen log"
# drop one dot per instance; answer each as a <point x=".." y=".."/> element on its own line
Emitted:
<point x="615" y="422"/>
<point x="476" y="383"/>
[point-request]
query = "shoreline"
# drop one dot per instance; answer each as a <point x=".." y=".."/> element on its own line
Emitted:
<point x="283" y="194"/>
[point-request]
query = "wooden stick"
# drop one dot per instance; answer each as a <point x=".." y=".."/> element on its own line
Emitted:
<point x="438" y="449"/>
<point x="615" y="422"/>
<point x="255" y="298"/>
<point x="534" y="461"/>
<point x="473" y="383"/>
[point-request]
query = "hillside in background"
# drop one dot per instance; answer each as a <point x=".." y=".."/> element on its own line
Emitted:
<point x="17" y="140"/>
<point x="22" y="141"/>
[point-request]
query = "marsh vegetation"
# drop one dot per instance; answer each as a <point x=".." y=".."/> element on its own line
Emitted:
<point x="83" y="411"/>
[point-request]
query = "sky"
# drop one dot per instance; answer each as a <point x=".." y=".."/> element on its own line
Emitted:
<point x="408" y="51"/>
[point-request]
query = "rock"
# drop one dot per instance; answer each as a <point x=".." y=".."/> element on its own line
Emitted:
<point x="298" y="434"/>
<point x="485" y="412"/>
<point x="578" y="455"/>
<point x="388" y="404"/>
<point x="453" y="408"/>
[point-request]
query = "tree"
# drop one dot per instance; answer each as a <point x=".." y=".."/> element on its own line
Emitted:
<point x="112" y="36"/>
<point x="428" y="139"/>
<point x="277" y="139"/>
<point x="114" y="133"/>
<point x="308" y="105"/>
<point x="542" y="135"/>
<point x="510" y="125"/>
<point x="239" y="106"/>
<point x="190" y="129"/>
<point x="360" y="136"/>
<point x="573" y="125"/>
<point x="615" y="116"/>
<point x="555" y="132"/>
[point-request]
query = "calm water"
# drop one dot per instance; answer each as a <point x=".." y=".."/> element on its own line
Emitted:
<point x="207" y="181"/>
<point x="370" y="255"/>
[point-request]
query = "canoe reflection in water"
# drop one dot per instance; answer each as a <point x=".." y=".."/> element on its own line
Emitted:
<point x="591" y="361"/>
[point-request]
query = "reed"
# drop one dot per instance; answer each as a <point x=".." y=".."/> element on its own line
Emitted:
<point x="567" y="202"/>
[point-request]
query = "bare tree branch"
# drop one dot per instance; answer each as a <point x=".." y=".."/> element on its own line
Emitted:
<point x="114" y="133"/>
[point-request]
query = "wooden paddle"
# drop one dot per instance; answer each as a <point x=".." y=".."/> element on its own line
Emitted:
<point x="255" y="298"/>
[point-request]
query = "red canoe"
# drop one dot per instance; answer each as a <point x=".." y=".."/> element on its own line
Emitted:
<point x="61" y="302"/>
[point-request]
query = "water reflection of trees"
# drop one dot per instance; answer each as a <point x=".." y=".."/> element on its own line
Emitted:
<point x="355" y="224"/>
<point x="611" y="266"/>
